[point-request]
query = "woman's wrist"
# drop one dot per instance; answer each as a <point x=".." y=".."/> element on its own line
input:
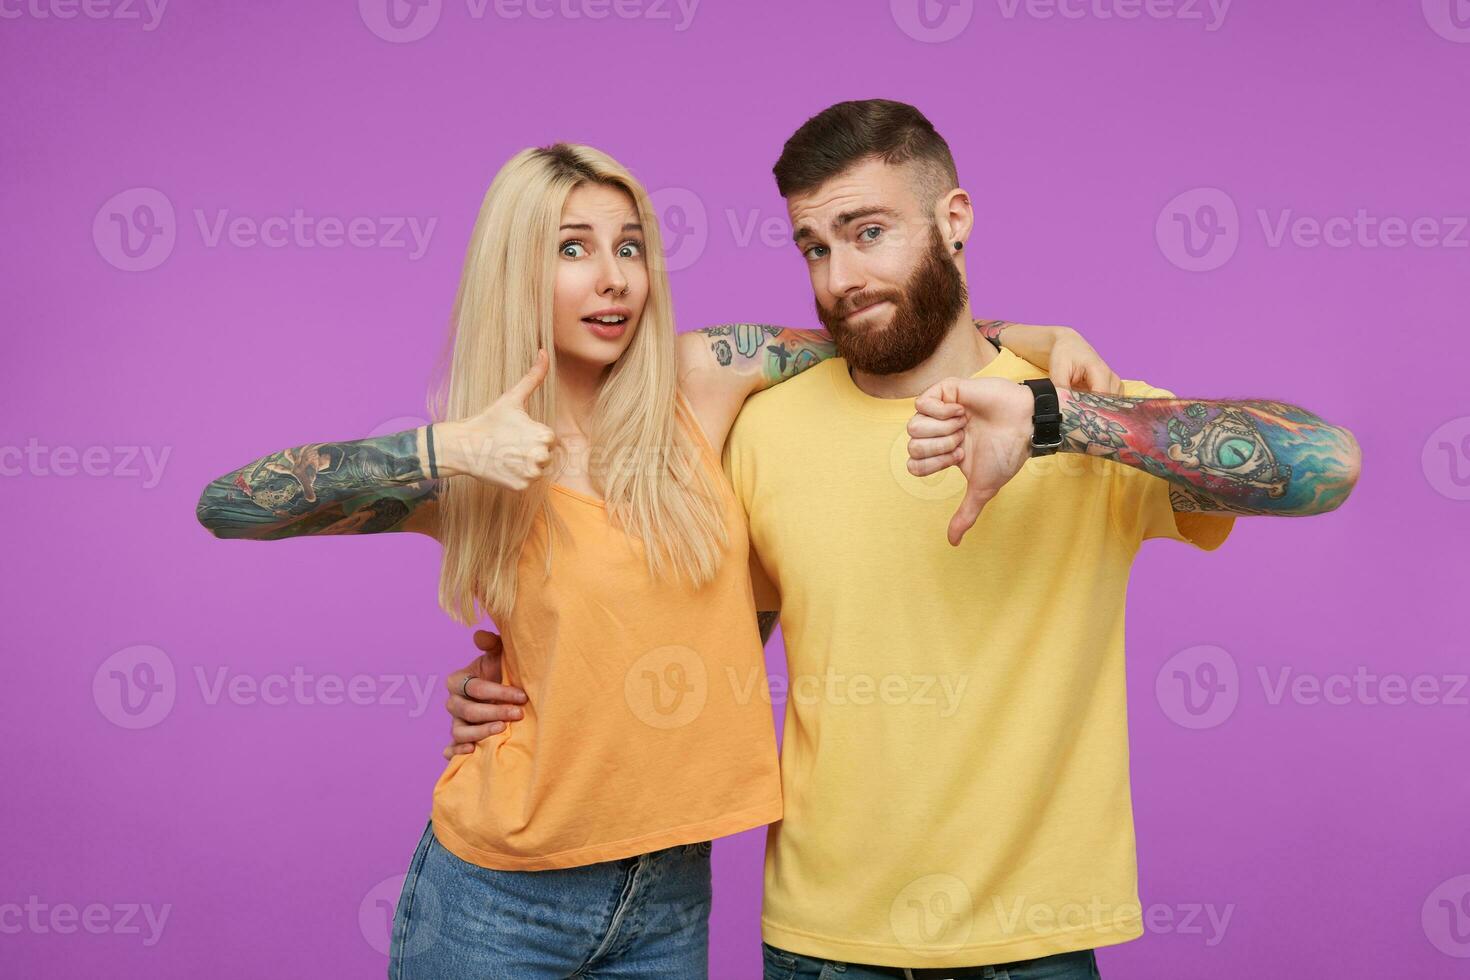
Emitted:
<point x="991" y="329"/>
<point x="439" y="445"/>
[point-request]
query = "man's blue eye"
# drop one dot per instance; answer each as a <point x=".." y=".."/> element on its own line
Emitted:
<point x="811" y="253"/>
<point x="873" y="228"/>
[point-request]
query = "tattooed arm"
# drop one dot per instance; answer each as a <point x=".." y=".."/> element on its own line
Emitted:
<point x="383" y="483"/>
<point x="1236" y="457"/>
<point x="721" y="366"/>
<point x="762" y="356"/>
<point x="363" y="487"/>
<point x="751" y="357"/>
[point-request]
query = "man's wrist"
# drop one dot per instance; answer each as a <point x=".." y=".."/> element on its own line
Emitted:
<point x="1069" y="408"/>
<point x="1044" y="431"/>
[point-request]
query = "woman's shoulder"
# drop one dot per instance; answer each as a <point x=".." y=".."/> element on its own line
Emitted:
<point x="702" y="419"/>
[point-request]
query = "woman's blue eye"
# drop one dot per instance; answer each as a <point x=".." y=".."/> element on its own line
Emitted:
<point x="630" y="250"/>
<point x="572" y="249"/>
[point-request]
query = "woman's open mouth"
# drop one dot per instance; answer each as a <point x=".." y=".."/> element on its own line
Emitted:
<point x="607" y="324"/>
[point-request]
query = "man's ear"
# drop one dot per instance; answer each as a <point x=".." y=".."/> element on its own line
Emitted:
<point x="956" y="217"/>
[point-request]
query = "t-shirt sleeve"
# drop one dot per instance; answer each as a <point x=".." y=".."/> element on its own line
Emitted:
<point x="738" y="471"/>
<point x="1141" y="503"/>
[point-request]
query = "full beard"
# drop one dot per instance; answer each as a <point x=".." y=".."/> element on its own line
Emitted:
<point x="923" y="312"/>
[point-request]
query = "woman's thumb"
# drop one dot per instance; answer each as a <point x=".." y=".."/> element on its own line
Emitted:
<point x="533" y="379"/>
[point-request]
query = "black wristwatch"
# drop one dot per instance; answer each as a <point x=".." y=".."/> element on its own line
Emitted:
<point x="1046" y="420"/>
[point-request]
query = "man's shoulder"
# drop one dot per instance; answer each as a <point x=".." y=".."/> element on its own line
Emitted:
<point x="788" y="402"/>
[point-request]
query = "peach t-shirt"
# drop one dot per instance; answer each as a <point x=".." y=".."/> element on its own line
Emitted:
<point x="648" y="723"/>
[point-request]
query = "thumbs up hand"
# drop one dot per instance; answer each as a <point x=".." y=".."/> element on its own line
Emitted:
<point x="502" y="445"/>
<point x="980" y="425"/>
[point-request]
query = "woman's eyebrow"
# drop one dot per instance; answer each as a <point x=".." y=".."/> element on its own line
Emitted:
<point x="630" y="226"/>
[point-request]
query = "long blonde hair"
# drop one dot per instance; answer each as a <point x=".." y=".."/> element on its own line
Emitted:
<point x="502" y="314"/>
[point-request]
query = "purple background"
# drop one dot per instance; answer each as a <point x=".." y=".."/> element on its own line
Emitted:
<point x="1334" y="834"/>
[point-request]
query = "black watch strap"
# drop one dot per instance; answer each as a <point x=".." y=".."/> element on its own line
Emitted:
<point x="1046" y="419"/>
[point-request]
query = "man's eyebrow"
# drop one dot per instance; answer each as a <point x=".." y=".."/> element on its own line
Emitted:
<point x="846" y="218"/>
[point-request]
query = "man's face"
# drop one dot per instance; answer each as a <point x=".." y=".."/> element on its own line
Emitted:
<point x="886" y="287"/>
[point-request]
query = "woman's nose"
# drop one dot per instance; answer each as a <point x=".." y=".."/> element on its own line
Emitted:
<point x="613" y="281"/>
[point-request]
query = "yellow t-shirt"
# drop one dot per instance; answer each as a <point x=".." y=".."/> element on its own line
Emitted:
<point x="955" y="760"/>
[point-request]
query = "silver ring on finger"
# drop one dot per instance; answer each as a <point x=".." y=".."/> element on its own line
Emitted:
<point x="464" y="689"/>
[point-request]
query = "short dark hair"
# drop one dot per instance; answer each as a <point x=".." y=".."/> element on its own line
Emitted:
<point x="843" y="135"/>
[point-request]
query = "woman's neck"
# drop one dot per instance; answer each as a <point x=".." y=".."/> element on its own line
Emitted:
<point x="577" y="384"/>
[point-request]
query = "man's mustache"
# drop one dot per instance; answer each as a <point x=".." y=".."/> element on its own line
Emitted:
<point x="848" y="307"/>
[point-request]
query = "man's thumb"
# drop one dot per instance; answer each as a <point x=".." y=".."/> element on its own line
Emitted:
<point x="965" y="517"/>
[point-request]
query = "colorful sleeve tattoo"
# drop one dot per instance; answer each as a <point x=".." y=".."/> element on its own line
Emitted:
<point x="362" y="487"/>
<point x="778" y="354"/>
<point x="773" y="353"/>
<point x="1239" y="457"/>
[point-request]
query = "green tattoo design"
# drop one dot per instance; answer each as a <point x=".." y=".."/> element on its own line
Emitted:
<point x="777" y="353"/>
<point x="362" y="487"/>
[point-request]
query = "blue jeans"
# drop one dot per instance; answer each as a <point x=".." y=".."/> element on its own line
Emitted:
<point x="781" y="965"/>
<point x="638" y="918"/>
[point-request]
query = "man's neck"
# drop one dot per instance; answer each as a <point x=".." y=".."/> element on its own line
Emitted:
<point x="960" y="354"/>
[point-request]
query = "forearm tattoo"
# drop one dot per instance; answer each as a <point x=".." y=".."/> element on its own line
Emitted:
<point x="362" y="487"/>
<point x="1241" y="457"/>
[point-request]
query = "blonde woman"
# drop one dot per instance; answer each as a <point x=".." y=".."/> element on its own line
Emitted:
<point x="573" y="478"/>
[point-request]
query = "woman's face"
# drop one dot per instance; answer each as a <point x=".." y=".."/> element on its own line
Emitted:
<point x="601" y="277"/>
